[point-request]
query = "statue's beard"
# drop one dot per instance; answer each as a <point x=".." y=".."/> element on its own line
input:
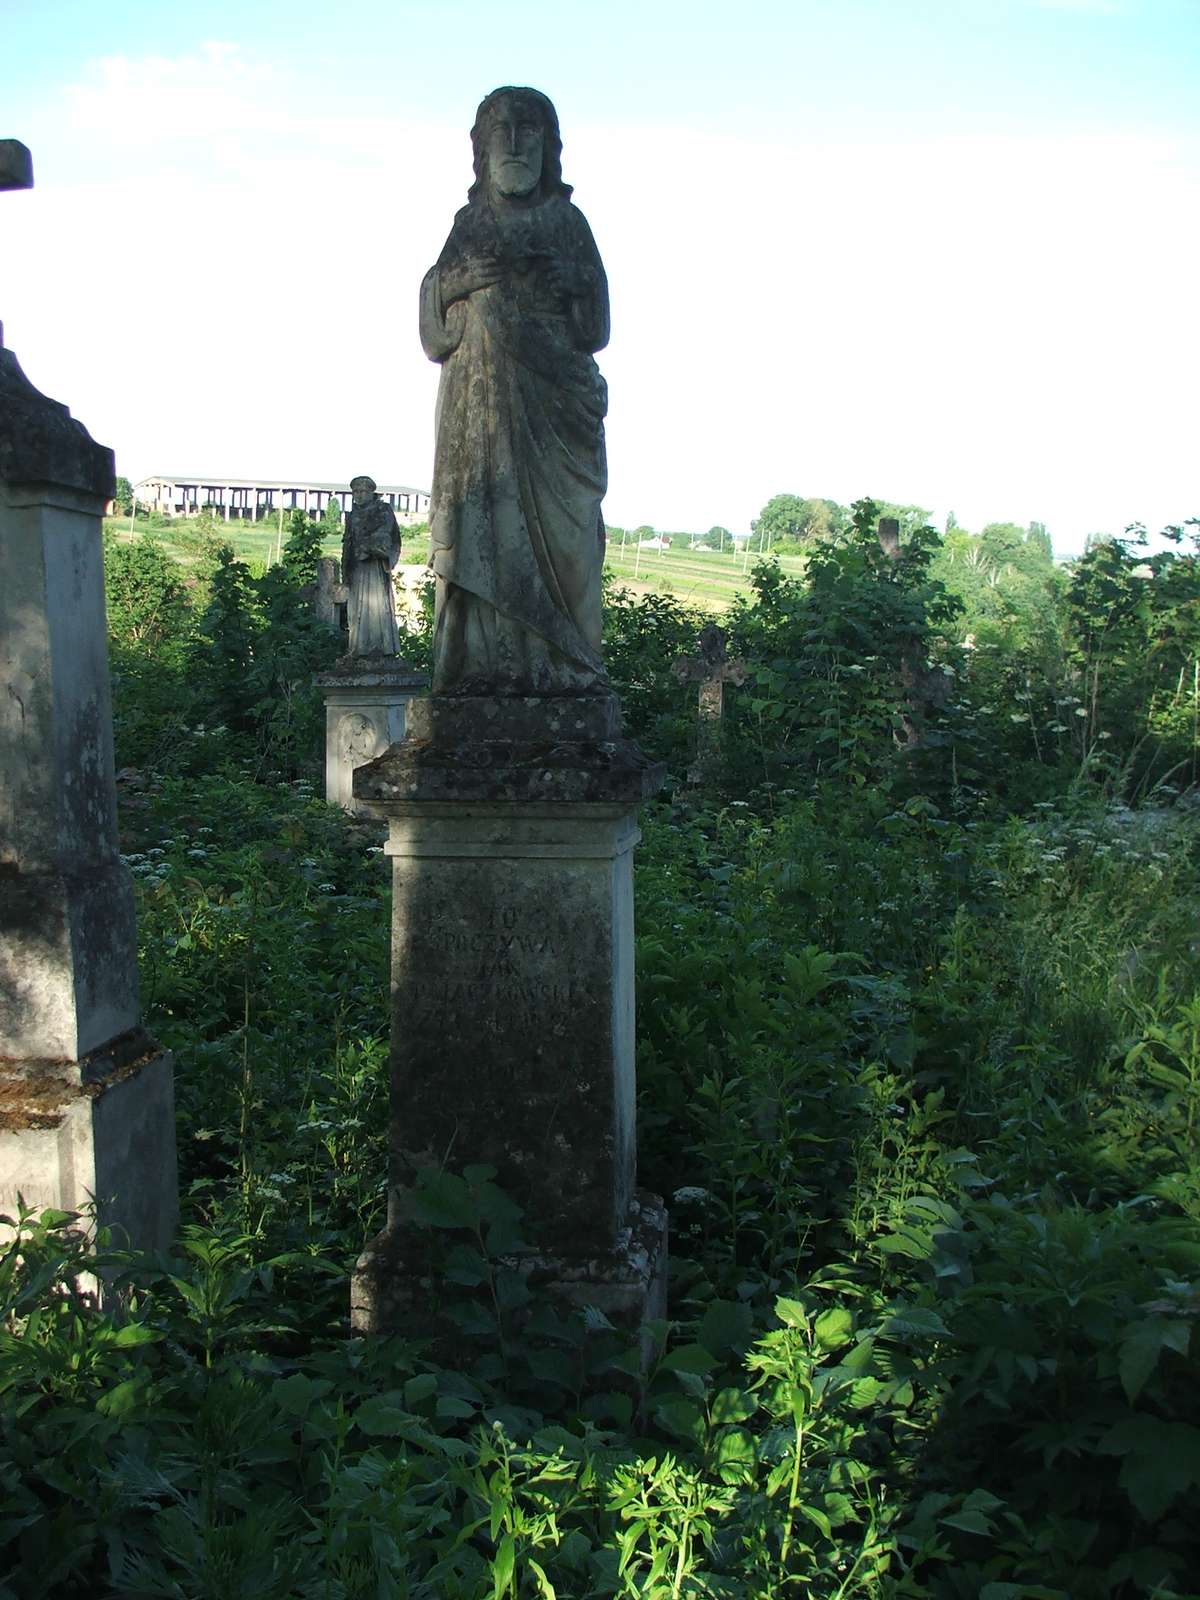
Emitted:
<point x="515" y="180"/>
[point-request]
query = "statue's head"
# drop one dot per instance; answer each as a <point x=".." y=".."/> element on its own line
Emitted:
<point x="362" y="488"/>
<point x="517" y="148"/>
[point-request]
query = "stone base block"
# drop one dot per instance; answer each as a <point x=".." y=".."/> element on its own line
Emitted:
<point x="101" y="1129"/>
<point x="393" y="1289"/>
<point x="365" y="712"/>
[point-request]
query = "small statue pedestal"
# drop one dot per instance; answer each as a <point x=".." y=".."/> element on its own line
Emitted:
<point x="512" y="828"/>
<point x="365" y="702"/>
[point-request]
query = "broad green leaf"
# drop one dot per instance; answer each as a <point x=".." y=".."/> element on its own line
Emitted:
<point x="420" y="1388"/>
<point x="791" y="1313"/>
<point x="682" y="1417"/>
<point x="833" y="1328"/>
<point x="732" y="1405"/>
<point x="383" y="1416"/>
<point x="968" y="1521"/>
<point x="689" y="1358"/>
<point x="1142" y="1346"/>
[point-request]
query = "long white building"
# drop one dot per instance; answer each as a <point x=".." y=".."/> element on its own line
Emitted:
<point x="187" y="494"/>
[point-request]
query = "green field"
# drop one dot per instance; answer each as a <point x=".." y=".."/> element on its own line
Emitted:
<point x="705" y="578"/>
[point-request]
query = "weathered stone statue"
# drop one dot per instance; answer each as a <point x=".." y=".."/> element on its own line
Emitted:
<point x="512" y="800"/>
<point x="513" y="310"/>
<point x="370" y="549"/>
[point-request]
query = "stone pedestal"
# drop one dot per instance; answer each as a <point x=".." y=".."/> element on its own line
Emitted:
<point x="86" y="1105"/>
<point x="365" y="702"/>
<point x="512" y="827"/>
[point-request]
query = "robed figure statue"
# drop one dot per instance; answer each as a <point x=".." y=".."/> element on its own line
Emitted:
<point x="370" y="550"/>
<point x="513" y="310"/>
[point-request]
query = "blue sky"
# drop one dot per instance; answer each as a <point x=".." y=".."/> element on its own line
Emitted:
<point x="940" y="252"/>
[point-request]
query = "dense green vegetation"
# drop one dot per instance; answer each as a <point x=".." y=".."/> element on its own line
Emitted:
<point x="919" y="1072"/>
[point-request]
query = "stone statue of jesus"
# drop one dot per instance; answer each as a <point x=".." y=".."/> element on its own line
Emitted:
<point x="513" y="311"/>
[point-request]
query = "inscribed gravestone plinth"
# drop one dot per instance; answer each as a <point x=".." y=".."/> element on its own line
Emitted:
<point x="86" y="1097"/>
<point x="512" y="802"/>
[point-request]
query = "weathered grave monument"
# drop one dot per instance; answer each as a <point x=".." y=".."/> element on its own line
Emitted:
<point x="711" y="669"/>
<point x="86" y="1096"/>
<point x="367" y="692"/>
<point x="927" y="687"/>
<point x="512" y="802"/>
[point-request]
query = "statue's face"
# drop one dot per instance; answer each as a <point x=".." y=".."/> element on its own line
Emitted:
<point x="514" y="150"/>
<point x="361" y="494"/>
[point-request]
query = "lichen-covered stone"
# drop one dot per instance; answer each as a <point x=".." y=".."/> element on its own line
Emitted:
<point x="86" y="1100"/>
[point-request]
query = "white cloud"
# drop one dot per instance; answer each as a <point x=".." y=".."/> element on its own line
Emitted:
<point x="1001" y="326"/>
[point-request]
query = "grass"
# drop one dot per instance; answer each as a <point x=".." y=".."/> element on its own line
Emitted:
<point x="709" y="579"/>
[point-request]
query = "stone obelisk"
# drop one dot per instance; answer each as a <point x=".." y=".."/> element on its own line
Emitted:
<point x="86" y="1096"/>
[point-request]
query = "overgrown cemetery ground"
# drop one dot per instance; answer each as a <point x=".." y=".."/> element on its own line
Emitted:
<point x="919" y="1076"/>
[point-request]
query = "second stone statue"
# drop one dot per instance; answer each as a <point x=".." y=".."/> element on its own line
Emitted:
<point x="513" y="311"/>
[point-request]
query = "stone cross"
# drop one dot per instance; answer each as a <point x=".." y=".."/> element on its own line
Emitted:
<point x="328" y="592"/>
<point x="16" y="165"/>
<point x="711" y="670"/>
<point x="16" y="172"/>
<point x="926" y="688"/>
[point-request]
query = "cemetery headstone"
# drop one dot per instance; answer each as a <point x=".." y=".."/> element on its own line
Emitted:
<point x="710" y="670"/>
<point x="368" y="690"/>
<point x="926" y="688"/>
<point x="329" y="593"/>
<point x="512" y="802"/>
<point x="86" y="1096"/>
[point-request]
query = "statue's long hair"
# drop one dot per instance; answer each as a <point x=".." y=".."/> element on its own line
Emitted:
<point x="552" y="178"/>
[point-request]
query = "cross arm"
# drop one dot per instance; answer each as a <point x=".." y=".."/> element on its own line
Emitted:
<point x="16" y="165"/>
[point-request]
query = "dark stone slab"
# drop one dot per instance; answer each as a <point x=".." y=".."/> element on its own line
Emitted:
<point x="371" y="672"/>
<point x="555" y="749"/>
<point x="535" y="719"/>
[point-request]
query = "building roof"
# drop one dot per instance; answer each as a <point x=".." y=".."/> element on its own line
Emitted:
<point x="224" y="481"/>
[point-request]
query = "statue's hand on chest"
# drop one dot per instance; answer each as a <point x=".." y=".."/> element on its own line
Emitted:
<point x="539" y="278"/>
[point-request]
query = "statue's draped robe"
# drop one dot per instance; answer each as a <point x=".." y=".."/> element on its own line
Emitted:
<point x="370" y="549"/>
<point x="519" y="471"/>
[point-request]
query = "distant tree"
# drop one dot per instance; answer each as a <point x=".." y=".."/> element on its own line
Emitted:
<point x="1001" y="541"/>
<point x="123" y="497"/>
<point x="910" y="518"/>
<point x="146" y="593"/>
<point x="717" y="537"/>
<point x="1038" y="539"/>
<point x="793" y="517"/>
<point x="331" y="522"/>
<point x="303" y="548"/>
<point x="644" y="532"/>
<point x="951" y="522"/>
<point x="1094" y="540"/>
<point x="1006" y="544"/>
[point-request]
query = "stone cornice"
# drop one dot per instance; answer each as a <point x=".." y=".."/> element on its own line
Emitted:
<point x="40" y="441"/>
